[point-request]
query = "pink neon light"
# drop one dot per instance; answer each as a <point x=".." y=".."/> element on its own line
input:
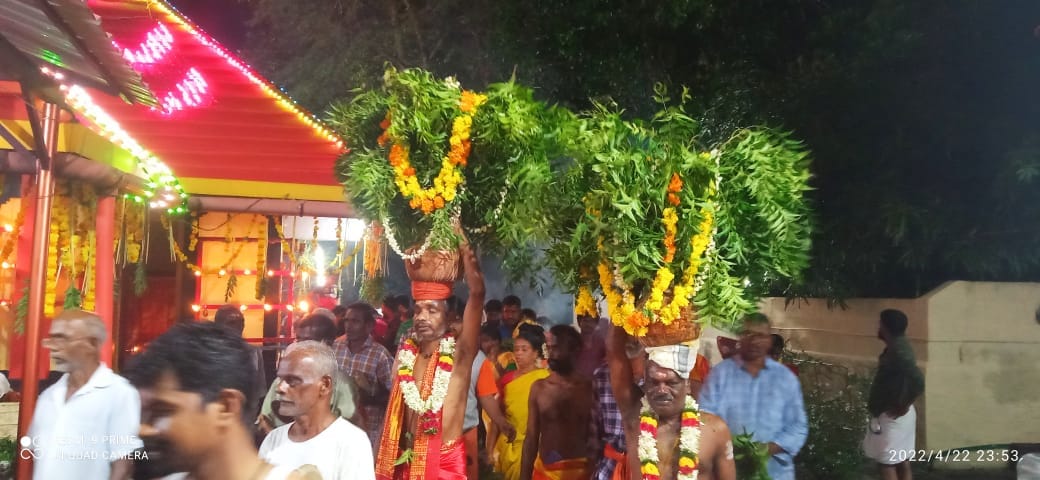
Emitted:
<point x="259" y="81"/>
<point x="191" y="91"/>
<point x="157" y="43"/>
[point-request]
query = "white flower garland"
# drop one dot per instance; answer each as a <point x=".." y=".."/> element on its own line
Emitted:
<point x="689" y="442"/>
<point x="427" y="408"/>
<point x="411" y="257"/>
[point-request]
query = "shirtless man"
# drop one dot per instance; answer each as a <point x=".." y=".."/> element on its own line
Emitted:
<point x="666" y="388"/>
<point x="428" y="444"/>
<point x="560" y="415"/>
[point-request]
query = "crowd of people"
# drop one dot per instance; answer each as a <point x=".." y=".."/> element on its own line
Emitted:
<point x="435" y="388"/>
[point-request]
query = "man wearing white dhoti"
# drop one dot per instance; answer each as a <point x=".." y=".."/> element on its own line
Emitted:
<point x="897" y="384"/>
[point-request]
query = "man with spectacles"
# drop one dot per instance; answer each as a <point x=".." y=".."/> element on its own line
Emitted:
<point x="756" y="394"/>
<point x="85" y="425"/>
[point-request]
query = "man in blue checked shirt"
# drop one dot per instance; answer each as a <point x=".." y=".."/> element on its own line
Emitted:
<point x="756" y="394"/>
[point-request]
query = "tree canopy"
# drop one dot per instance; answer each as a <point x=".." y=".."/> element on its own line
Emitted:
<point x="921" y="116"/>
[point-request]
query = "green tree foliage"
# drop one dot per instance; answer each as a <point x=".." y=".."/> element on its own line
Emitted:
<point x="920" y="115"/>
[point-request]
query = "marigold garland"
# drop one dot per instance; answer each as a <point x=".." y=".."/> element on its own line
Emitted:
<point x="449" y="177"/>
<point x="175" y="247"/>
<point x="241" y="243"/>
<point x="584" y="304"/>
<point x="12" y="238"/>
<point x="50" y="294"/>
<point x="89" y="272"/>
<point x="261" y="260"/>
<point x="621" y="303"/>
<point x="286" y="247"/>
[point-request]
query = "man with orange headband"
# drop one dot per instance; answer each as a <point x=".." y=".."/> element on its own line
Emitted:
<point x="422" y="434"/>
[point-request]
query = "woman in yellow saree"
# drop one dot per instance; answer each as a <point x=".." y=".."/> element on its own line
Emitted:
<point x="516" y="388"/>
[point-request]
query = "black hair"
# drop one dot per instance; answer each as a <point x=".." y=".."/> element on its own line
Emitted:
<point x="493" y="306"/>
<point x="205" y="358"/>
<point x="529" y="314"/>
<point x="534" y="335"/>
<point x="324" y="327"/>
<point x="512" y="300"/>
<point x="227" y="314"/>
<point x="894" y="321"/>
<point x="492" y="332"/>
<point x="778" y="344"/>
<point x="368" y="312"/>
<point x="455" y="305"/>
<point x="339" y="310"/>
<point x="404" y="301"/>
<point x="390" y="301"/>
<point x="567" y="333"/>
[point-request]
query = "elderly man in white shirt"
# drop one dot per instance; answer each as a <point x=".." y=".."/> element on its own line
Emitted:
<point x="317" y="436"/>
<point x="85" y="425"/>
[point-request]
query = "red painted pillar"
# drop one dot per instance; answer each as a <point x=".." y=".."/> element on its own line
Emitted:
<point x="104" y="271"/>
<point x="37" y="281"/>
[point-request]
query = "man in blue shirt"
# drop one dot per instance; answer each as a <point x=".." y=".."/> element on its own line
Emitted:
<point x="756" y="394"/>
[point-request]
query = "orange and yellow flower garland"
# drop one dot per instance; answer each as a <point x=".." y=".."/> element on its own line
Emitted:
<point x="449" y="177"/>
<point x="621" y="304"/>
<point x="12" y="239"/>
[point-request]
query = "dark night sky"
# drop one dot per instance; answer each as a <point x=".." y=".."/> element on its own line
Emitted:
<point x="223" y="19"/>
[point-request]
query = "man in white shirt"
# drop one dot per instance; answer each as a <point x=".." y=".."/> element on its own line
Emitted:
<point x="85" y="425"/>
<point x="195" y="383"/>
<point x="317" y="436"/>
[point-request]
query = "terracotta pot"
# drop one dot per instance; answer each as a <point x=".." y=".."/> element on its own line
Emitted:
<point x="434" y="266"/>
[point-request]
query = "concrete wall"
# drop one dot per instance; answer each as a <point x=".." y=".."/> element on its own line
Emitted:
<point x="977" y="343"/>
<point x="983" y="378"/>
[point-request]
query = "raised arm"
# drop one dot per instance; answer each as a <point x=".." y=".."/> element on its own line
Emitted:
<point x="466" y="345"/>
<point x="622" y="383"/>
<point x="621" y="378"/>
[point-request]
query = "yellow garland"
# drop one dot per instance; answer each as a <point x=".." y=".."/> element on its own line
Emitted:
<point x="133" y="222"/>
<point x="60" y="221"/>
<point x="50" y="293"/>
<point x="227" y="234"/>
<point x="449" y="177"/>
<point x="90" y="264"/>
<point x="621" y="304"/>
<point x="340" y="243"/>
<point x="261" y="259"/>
<point x="193" y="239"/>
<point x="684" y="291"/>
<point x="177" y="252"/>
<point x="12" y="239"/>
<point x="242" y="242"/>
<point x="584" y="304"/>
<point x="285" y="243"/>
<point x="346" y="261"/>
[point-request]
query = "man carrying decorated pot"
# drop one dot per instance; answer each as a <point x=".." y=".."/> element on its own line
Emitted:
<point x="422" y="433"/>
<point x="666" y="433"/>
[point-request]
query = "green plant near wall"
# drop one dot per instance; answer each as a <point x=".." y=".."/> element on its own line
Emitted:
<point x="836" y="405"/>
<point x="8" y="448"/>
